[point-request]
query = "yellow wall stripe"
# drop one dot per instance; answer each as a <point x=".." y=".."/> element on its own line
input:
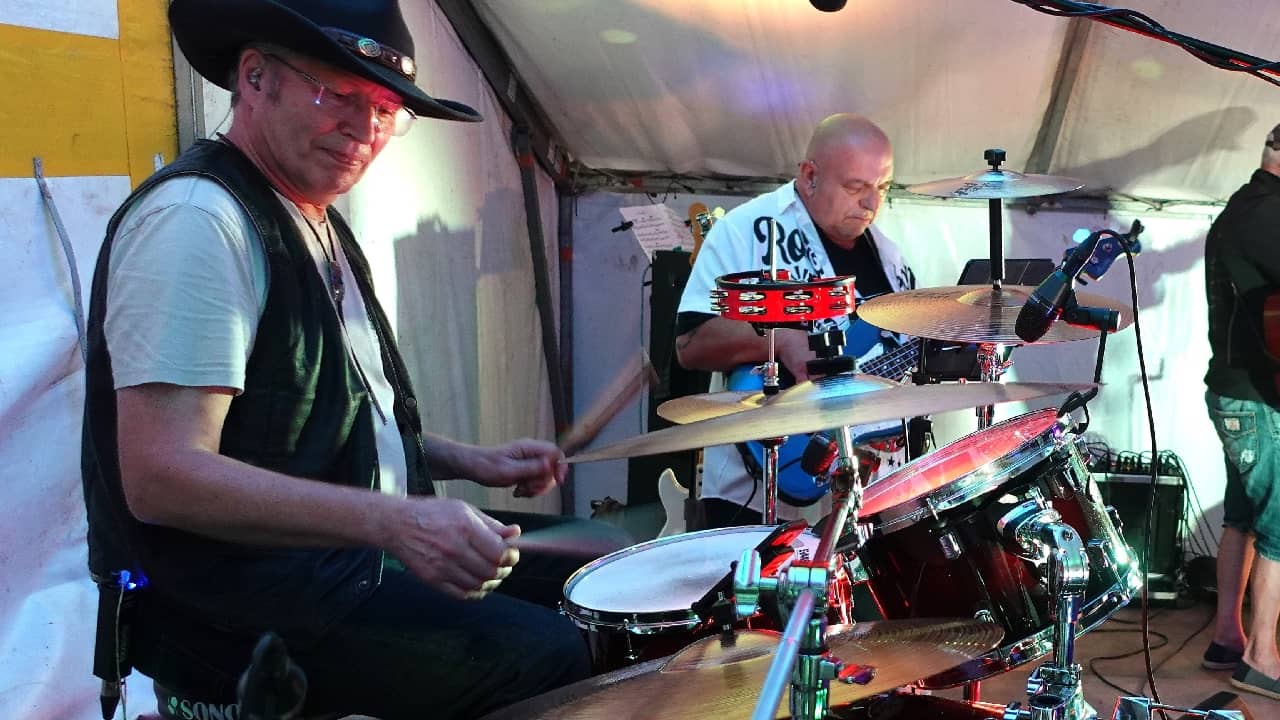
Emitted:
<point x="62" y="101"/>
<point x="146" y="64"/>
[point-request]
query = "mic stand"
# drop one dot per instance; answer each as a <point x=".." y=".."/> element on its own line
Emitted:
<point x="803" y="592"/>
<point x="1107" y="321"/>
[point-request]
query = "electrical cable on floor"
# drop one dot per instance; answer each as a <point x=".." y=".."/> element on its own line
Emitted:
<point x="1182" y="646"/>
<point x="1146" y="647"/>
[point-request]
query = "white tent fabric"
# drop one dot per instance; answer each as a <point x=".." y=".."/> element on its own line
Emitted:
<point x="441" y="218"/>
<point x="701" y="87"/>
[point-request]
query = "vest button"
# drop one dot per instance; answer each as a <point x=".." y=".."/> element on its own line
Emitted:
<point x="411" y="403"/>
<point x="363" y="584"/>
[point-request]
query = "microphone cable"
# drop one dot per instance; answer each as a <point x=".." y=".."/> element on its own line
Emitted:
<point x="1151" y="497"/>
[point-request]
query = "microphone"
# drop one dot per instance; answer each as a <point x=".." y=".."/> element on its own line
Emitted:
<point x="1051" y="296"/>
<point x="818" y="455"/>
<point x="828" y="5"/>
<point x="272" y="687"/>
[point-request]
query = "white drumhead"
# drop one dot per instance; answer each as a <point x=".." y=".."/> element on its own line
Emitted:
<point x="671" y="573"/>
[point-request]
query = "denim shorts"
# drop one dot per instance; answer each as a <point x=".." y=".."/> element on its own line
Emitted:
<point x="1250" y="435"/>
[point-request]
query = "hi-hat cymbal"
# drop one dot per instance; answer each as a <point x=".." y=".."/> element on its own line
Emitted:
<point x="826" y="403"/>
<point x="974" y="314"/>
<point x="992" y="184"/>
<point x="706" y="679"/>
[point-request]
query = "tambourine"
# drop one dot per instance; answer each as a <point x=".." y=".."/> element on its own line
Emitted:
<point x="756" y="298"/>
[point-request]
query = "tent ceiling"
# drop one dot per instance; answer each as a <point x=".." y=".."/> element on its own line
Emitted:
<point x="733" y="87"/>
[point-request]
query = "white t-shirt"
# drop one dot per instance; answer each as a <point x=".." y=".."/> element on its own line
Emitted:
<point x="738" y="242"/>
<point x="186" y="288"/>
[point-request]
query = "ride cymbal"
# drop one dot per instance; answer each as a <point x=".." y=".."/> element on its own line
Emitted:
<point x="994" y="184"/>
<point x="974" y="314"/>
<point x="825" y="403"/>
<point x="707" y="679"/>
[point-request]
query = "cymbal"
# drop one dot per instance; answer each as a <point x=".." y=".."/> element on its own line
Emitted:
<point x="991" y="184"/>
<point x="974" y="314"/>
<point x="826" y="406"/>
<point x="706" y="679"/>
<point x="692" y="408"/>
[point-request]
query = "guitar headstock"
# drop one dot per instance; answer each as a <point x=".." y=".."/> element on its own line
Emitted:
<point x="701" y="218"/>
<point x="698" y="226"/>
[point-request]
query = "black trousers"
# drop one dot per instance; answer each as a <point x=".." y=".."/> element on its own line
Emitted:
<point x="409" y="651"/>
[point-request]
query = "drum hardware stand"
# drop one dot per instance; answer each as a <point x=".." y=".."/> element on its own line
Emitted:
<point x="991" y="366"/>
<point x="1053" y="689"/>
<point x="994" y="157"/>
<point x="1142" y="708"/>
<point x="803" y="656"/>
<point x="829" y="347"/>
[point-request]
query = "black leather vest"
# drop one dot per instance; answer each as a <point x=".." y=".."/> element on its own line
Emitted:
<point x="304" y="412"/>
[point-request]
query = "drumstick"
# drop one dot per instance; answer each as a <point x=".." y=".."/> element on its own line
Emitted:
<point x="626" y="386"/>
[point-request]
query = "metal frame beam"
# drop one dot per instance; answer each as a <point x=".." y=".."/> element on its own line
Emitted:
<point x="1064" y="82"/>
<point x="511" y="91"/>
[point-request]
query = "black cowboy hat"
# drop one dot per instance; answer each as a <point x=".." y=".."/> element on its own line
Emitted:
<point x="368" y="38"/>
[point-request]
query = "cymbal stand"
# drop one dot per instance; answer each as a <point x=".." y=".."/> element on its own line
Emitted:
<point x="770" y="370"/>
<point x="995" y="222"/>
<point x="1053" y="689"/>
<point x="803" y="591"/>
<point x="991" y="365"/>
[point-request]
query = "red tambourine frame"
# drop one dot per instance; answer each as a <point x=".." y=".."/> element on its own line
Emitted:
<point x="756" y="298"/>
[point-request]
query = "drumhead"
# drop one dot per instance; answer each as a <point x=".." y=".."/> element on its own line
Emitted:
<point x="965" y="469"/>
<point x="654" y="583"/>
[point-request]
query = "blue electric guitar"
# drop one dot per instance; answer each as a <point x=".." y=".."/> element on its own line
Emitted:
<point x="795" y="486"/>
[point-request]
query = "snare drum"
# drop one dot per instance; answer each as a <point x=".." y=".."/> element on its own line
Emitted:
<point x="936" y="551"/>
<point x="635" y="603"/>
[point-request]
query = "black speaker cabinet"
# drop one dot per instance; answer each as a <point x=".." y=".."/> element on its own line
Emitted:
<point x="1129" y="495"/>
<point x="670" y="274"/>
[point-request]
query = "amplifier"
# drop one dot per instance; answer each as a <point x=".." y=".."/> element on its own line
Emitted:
<point x="1129" y="495"/>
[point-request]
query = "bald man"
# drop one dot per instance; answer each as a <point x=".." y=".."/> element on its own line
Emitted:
<point x="822" y="227"/>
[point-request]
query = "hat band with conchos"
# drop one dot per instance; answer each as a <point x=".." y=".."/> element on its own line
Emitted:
<point x="371" y="49"/>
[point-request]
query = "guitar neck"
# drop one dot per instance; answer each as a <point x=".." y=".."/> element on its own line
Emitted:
<point x="895" y="364"/>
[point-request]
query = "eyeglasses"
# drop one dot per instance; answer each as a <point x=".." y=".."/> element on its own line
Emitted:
<point x="387" y="116"/>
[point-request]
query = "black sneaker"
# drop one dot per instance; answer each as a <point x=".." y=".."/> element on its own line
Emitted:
<point x="1248" y="679"/>
<point x="1220" y="657"/>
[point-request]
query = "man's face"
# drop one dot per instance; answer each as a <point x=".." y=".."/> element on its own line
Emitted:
<point x="318" y="126"/>
<point x="844" y="188"/>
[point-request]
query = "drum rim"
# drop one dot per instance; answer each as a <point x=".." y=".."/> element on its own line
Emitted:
<point x="643" y="622"/>
<point x="977" y="482"/>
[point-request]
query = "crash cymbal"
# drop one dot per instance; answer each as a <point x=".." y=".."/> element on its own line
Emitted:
<point x="974" y="314"/>
<point x="707" y="679"/>
<point x="818" y="406"/>
<point x="692" y="408"/>
<point x="990" y="184"/>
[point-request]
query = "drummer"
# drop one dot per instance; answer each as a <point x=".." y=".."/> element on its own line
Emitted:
<point x="822" y="228"/>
